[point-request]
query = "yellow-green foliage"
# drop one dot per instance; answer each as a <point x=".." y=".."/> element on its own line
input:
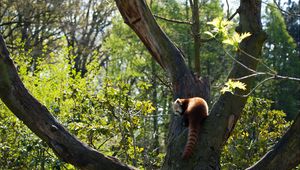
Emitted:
<point x="255" y="133"/>
<point x="224" y="28"/>
<point x="100" y="110"/>
<point x="231" y="85"/>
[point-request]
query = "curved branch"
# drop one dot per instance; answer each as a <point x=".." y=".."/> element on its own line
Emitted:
<point x="257" y="85"/>
<point x="285" y="154"/>
<point x="39" y="120"/>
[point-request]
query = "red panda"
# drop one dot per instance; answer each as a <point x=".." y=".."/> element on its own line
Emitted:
<point x="194" y="111"/>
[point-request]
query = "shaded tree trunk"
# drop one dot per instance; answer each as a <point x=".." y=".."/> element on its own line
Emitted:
<point x="196" y="34"/>
<point x="187" y="46"/>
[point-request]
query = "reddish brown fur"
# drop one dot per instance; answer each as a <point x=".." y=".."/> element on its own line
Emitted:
<point x="194" y="111"/>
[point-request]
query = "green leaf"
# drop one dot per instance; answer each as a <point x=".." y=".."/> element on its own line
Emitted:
<point x="231" y="85"/>
<point x="209" y="33"/>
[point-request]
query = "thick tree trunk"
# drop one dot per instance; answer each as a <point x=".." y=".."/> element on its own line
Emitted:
<point x="43" y="124"/>
<point x="226" y="111"/>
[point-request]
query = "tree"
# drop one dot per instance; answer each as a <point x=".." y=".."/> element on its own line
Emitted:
<point x="37" y="117"/>
<point x="38" y="24"/>
<point x="34" y="23"/>
<point x="170" y="59"/>
<point x="83" y="25"/>
<point x="224" y="113"/>
<point x="281" y="54"/>
<point x="292" y="21"/>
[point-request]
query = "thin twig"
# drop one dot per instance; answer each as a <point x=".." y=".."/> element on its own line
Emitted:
<point x="173" y="20"/>
<point x="274" y="76"/>
<point x="104" y="142"/>
<point x="259" y="84"/>
<point x="259" y="60"/>
<point x="249" y="76"/>
<point x="283" y="11"/>
<point x="227" y="3"/>
<point x="249" y="55"/>
<point x="280" y="9"/>
<point x="243" y="65"/>
<point x="286" y="77"/>
<point x="255" y="73"/>
<point x="165" y="83"/>
<point x="234" y="14"/>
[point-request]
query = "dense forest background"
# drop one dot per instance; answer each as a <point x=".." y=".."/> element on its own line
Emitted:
<point x="80" y="60"/>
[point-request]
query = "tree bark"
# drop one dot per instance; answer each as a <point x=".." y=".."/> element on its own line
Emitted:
<point x="227" y="109"/>
<point x="38" y="119"/>
<point x="196" y="34"/>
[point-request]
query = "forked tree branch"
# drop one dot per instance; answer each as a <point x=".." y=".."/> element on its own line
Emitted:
<point x="39" y="120"/>
<point x="137" y="15"/>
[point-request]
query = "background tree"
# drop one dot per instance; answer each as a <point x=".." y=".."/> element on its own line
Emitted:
<point x="281" y="54"/>
<point x="34" y="23"/>
<point x="292" y="20"/>
<point x="84" y="25"/>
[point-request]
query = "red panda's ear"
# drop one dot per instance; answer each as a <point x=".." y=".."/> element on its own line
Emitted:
<point x="178" y="101"/>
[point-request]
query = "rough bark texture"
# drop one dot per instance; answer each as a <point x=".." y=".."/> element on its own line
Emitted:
<point x="285" y="154"/>
<point x="43" y="124"/>
<point x="226" y="111"/>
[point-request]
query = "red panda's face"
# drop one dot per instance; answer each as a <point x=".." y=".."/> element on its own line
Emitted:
<point x="177" y="107"/>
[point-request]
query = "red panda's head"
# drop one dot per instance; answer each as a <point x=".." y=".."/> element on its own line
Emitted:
<point x="177" y="107"/>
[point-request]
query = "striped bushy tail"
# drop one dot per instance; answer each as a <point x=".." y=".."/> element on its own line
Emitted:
<point x="191" y="142"/>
